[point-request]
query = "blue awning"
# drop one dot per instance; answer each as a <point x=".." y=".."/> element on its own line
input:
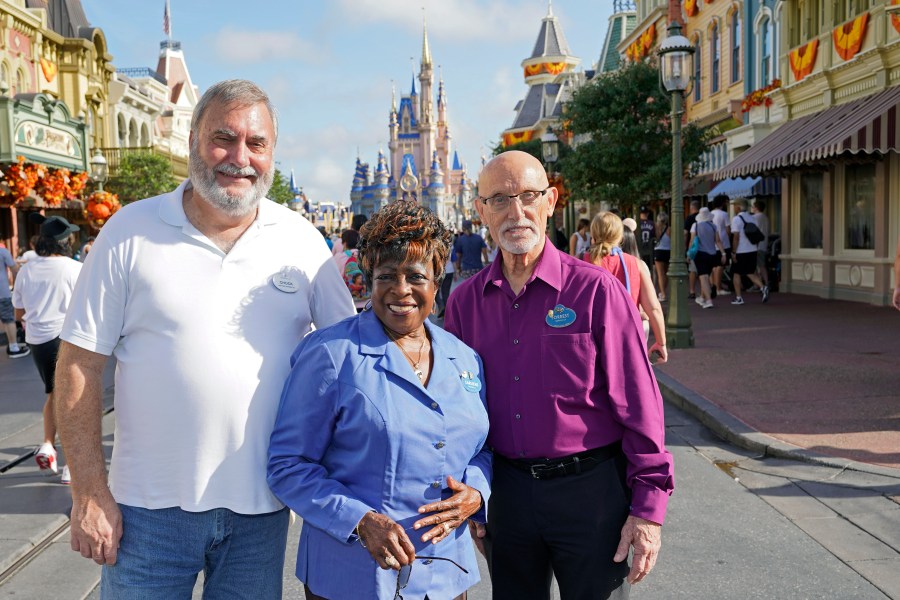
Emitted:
<point x="747" y="187"/>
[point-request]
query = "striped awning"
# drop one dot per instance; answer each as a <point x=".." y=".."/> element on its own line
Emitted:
<point x="747" y="187"/>
<point x="865" y="126"/>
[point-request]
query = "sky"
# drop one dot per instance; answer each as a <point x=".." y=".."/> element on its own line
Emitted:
<point x="329" y="66"/>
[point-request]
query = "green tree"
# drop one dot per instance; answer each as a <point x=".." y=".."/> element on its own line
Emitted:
<point x="622" y="122"/>
<point x="141" y="175"/>
<point x="280" y="191"/>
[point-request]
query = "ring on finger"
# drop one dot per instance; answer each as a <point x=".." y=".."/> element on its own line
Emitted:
<point x="390" y="561"/>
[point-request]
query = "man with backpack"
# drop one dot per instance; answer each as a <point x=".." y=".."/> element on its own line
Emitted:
<point x="746" y="237"/>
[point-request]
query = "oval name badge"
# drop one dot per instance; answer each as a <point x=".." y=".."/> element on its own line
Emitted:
<point x="470" y="381"/>
<point x="286" y="282"/>
<point x="560" y="316"/>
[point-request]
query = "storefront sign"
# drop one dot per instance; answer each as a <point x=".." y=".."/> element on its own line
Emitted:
<point x="37" y="136"/>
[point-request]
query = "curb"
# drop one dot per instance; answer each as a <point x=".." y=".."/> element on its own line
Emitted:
<point x="733" y="430"/>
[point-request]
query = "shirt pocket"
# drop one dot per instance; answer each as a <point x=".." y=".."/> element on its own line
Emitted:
<point x="567" y="362"/>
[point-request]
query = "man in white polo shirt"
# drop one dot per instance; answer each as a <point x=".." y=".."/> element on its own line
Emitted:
<point x="201" y="295"/>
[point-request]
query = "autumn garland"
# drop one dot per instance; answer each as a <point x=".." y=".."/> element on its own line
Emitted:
<point x="53" y="185"/>
<point x="760" y="97"/>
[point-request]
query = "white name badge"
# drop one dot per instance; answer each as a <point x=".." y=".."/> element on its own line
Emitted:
<point x="286" y="282"/>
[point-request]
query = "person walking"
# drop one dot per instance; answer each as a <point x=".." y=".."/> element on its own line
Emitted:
<point x="745" y="258"/>
<point x="710" y="250"/>
<point x="607" y="232"/>
<point x="7" y="313"/>
<point x="758" y="211"/>
<point x="720" y="220"/>
<point x="580" y="473"/>
<point x="692" y="267"/>
<point x="200" y="294"/>
<point x="662" y="254"/>
<point x="646" y="236"/>
<point x="471" y="252"/>
<point x="580" y="242"/>
<point x="41" y="296"/>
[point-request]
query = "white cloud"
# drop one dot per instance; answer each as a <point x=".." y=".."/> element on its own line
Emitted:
<point x="462" y="20"/>
<point x="249" y="47"/>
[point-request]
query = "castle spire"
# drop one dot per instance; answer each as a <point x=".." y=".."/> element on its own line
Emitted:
<point x="426" y="52"/>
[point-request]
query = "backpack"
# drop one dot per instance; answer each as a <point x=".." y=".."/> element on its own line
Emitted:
<point x="752" y="232"/>
<point x="353" y="276"/>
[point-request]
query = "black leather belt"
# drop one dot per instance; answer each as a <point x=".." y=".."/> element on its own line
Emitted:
<point x="549" y="468"/>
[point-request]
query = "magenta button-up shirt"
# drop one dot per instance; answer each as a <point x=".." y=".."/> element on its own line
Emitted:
<point x="554" y="391"/>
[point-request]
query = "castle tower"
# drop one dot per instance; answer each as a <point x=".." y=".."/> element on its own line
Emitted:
<point x="548" y="72"/>
<point x="419" y="151"/>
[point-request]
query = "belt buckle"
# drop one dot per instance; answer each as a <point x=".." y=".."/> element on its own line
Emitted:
<point x="538" y="469"/>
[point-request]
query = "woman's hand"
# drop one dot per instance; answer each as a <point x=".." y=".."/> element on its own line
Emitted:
<point x="450" y="513"/>
<point x="385" y="540"/>
<point x="661" y="350"/>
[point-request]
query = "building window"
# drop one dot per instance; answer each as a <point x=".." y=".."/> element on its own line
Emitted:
<point x="859" y="207"/>
<point x="697" y="70"/>
<point x="765" y="53"/>
<point x="715" y="53"/>
<point x="735" y="47"/>
<point x="811" y="185"/>
<point x="20" y="83"/>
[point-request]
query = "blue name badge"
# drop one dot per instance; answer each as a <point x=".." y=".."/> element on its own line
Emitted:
<point x="560" y="316"/>
<point x="470" y="381"/>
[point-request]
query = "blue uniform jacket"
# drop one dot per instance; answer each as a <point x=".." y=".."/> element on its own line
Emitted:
<point x="356" y="431"/>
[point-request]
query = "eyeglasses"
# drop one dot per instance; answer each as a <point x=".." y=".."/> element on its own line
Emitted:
<point x="501" y="202"/>
<point x="406" y="570"/>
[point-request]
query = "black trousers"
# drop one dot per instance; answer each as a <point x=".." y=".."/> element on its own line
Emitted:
<point x="568" y="526"/>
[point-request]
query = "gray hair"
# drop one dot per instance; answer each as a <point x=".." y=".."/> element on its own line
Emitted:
<point x="741" y="203"/>
<point x="233" y="91"/>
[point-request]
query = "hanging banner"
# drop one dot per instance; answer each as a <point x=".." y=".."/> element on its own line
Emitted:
<point x="803" y="59"/>
<point x="848" y="38"/>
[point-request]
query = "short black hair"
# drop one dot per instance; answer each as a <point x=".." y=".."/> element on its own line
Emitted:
<point x="46" y="245"/>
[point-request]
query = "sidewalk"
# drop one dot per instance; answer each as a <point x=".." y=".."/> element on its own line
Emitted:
<point x="812" y="379"/>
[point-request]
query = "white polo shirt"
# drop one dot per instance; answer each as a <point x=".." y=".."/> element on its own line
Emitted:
<point x="43" y="290"/>
<point x="203" y="341"/>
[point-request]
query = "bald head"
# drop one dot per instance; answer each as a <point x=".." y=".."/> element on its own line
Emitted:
<point x="507" y="173"/>
<point x="518" y="227"/>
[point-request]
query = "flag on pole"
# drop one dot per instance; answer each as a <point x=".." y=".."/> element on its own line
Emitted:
<point x="167" y="29"/>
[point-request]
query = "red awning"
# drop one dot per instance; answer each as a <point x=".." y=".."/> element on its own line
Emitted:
<point x="865" y="126"/>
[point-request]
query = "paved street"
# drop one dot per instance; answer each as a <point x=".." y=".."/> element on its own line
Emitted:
<point x="744" y="522"/>
<point x="739" y="527"/>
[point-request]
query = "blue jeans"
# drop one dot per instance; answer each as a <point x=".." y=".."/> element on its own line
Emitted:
<point x="162" y="551"/>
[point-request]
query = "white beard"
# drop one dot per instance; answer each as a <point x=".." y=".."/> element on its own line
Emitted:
<point x="204" y="181"/>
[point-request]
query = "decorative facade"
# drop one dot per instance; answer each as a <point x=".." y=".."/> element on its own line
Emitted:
<point x="420" y="163"/>
<point x="54" y="80"/>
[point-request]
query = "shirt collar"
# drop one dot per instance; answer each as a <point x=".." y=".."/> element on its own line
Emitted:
<point x="373" y="339"/>
<point x="171" y="209"/>
<point x="548" y="268"/>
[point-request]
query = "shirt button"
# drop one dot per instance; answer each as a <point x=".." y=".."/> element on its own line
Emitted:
<point x="515" y="306"/>
<point x="434" y="405"/>
<point x="518" y="416"/>
<point x="516" y="378"/>
<point x="439" y="445"/>
<point x="436" y="484"/>
<point x="515" y="341"/>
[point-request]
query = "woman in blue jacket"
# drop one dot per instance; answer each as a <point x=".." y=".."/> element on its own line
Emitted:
<point x="379" y="440"/>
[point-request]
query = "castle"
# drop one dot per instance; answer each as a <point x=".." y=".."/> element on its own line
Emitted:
<point x="418" y="164"/>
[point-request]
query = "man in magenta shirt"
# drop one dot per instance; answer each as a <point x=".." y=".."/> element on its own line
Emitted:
<point x="581" y="472"/>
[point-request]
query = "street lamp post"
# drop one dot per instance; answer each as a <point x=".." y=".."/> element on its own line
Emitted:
<point x="675" y="54"/>
<point x="99" y="169"/>
<point x="550" y="152"/>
